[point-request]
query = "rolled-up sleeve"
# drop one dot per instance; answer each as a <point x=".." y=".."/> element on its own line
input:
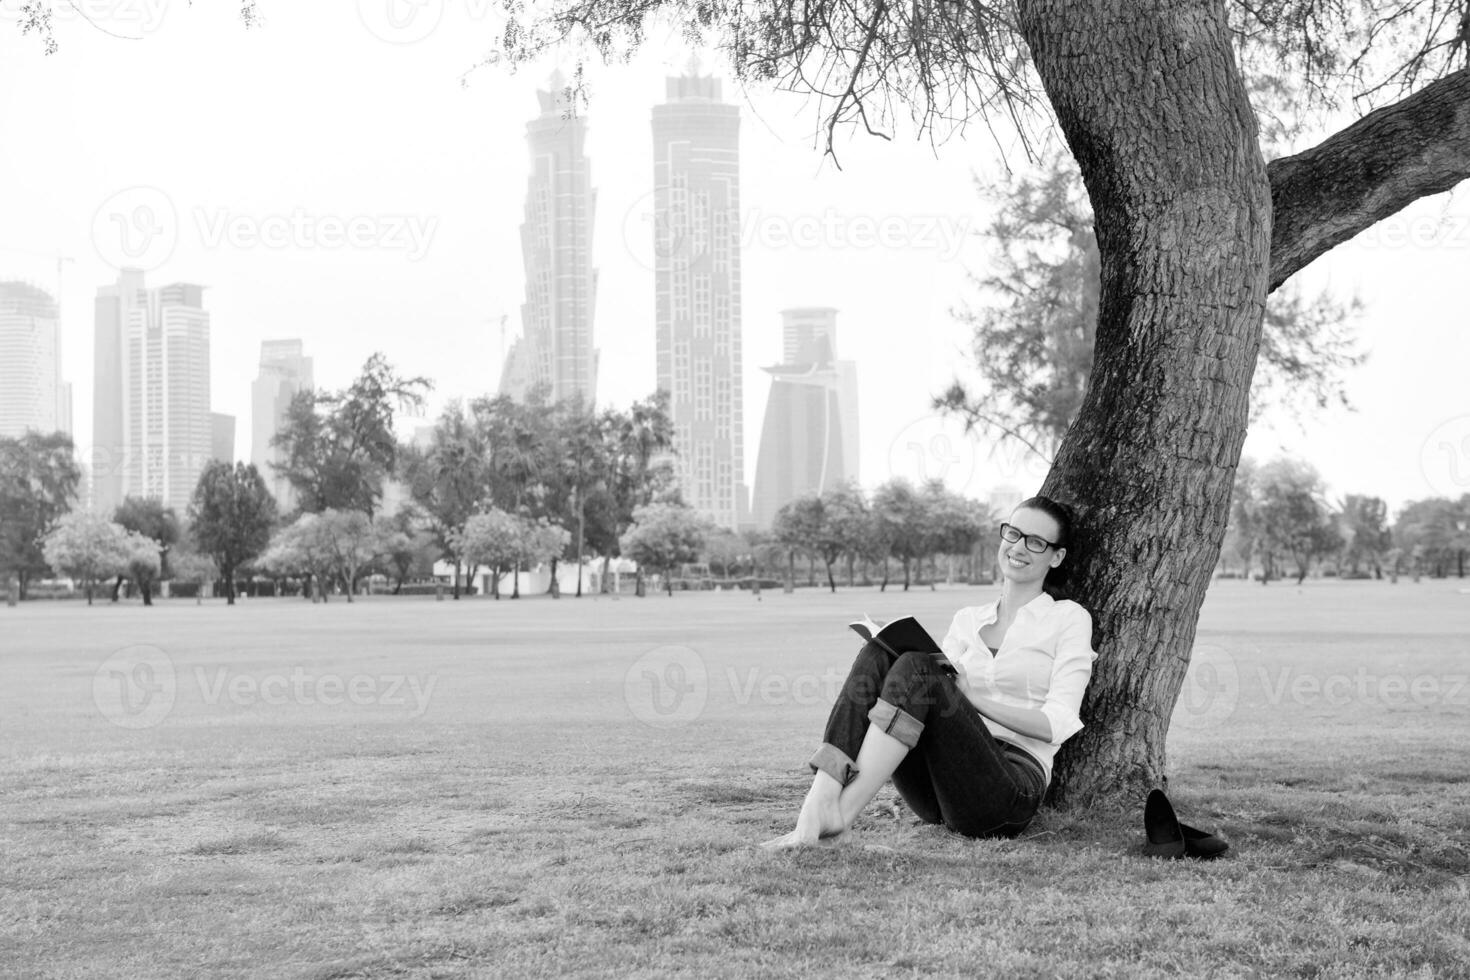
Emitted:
<point x="1070" y="673"/>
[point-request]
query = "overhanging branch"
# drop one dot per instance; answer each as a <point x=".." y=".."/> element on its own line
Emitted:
<point x="1372" y="169"/>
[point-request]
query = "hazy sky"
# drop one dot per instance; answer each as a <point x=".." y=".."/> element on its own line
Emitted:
<point x="329" y="177"/>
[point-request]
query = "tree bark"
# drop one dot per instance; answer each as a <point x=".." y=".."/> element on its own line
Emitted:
<point x="1151" y="103"/>
<point x="1372" y="169"/>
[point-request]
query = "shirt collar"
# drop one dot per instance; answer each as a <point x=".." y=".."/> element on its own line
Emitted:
<point x="1036" y="606"/>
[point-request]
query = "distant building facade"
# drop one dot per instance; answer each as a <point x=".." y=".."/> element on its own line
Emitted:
<point x="809" y="438"/>
<point x="32" y="394"/>
<point x="222" y="437"/>
<point x="151" y="405"/>
<point x="696" y="178"/>
<point x="555" y="347"/>
<point x="112" y="311"/>
<point x="284" y="371"/>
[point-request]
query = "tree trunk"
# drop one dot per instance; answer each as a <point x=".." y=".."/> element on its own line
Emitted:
<point x="603" y="586"/>
<point x="555" y="587"/>
<point x="456" y="580"/>
<point x="884" y="586"/>
<point x="906" y="576"/>
<point x="581" y="528"/>
<point x="1151" y="103"/>
<point x="229" y="586"/>
<point x="146" y="589"/>
<point x="831" y="582"/>
<point x="515" y="582"/>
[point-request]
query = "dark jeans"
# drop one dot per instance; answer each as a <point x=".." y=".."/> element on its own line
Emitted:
<point x="956" y="773"/>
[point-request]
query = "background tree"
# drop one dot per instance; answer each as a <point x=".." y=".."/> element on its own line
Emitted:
<point x="142" y="562"/>
<point x="188" y="567"/>
<point x="953" y="525"/>
<point x="726" y="551"/>
<point x="339" y="445"/>
<point x="1430" y="534"/>
<point x="86" y="547"/>
<point x="582" y="469"/>
<point x="148" y="517"/>
<point x="38" y="485"/>
<point x="231" y="516"/>
<point x="797" y="526"/>
<point x="1033" y="331"/>
<point x="899" y="517"/>
<point x="450" y="479"/>
<point x="353" y="542"/>
<point x="540" y="542"/>
<point x="409" y="549"/>
<point x="845" y="510"/>
<point x="491" y="539"/>
<point x="1366" y="534"/>
<point x="1295" y="520"/>
<point x="665" y="536"/>
<point x="302" y="548"/>
<point x="639" y="451"/>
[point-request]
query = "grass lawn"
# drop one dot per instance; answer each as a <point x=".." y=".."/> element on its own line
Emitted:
<point x="408" y="788"/>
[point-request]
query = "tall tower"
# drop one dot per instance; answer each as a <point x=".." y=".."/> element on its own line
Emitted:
<point x="113" y="311"/>
<point x="696" y="179"/>
<point x="167" y="428"/>
<point x="555" y="346"/>
<point x="809" y="439"/>
<point x="284" y="371"/>
<point x="32" y="395"/>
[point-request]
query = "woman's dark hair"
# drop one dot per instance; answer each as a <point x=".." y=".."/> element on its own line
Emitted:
<point x="1055" y="584"/>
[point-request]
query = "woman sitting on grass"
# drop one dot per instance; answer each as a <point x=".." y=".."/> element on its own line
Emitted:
<point x="968" y="736"/>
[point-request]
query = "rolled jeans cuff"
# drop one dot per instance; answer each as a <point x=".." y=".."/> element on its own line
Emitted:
<point x="835" y="763"/>
<point x="897" y="722"/>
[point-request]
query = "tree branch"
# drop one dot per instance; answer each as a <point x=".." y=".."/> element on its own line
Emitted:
<point x="1372" y="169"/>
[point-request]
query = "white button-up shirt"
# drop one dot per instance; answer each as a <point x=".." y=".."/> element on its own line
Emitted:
<point x="1044" y="662"/>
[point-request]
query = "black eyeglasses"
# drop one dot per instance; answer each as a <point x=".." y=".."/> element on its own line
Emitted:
<point x="1035" y="543"/>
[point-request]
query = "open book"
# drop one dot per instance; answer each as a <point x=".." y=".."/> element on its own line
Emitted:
<point x="900" y="636"/>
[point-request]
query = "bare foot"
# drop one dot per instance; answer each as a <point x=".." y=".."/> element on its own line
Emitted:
<point x="820" y="820"/>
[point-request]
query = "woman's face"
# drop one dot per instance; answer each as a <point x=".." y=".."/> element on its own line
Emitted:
<point x="1018" y="563"/>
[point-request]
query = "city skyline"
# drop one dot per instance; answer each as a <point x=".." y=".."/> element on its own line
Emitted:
<point x="889" y="238"/>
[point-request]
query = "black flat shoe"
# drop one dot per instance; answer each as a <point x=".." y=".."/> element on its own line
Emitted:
<point x="1201" y="844"/>
<point x="1161" y="827"/>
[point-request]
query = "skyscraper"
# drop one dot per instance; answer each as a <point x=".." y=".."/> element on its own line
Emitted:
<point x="151" y="414"/>
<point x="32" y="394"/>
<point x="113" y="311"/>
<point x="284" y="371"/>
<point x="696" y="179"/>
<point x="809" y="439"/>
<point x="555" y="346"/>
